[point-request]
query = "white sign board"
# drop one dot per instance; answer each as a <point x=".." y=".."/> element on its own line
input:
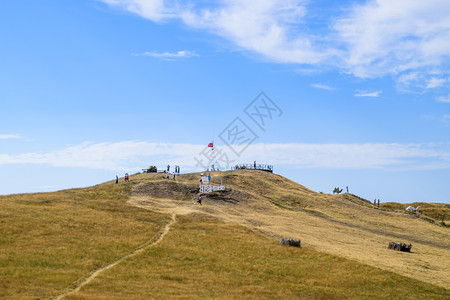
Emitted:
<point x="205" y="179"/>
<point x="211" y="188"/>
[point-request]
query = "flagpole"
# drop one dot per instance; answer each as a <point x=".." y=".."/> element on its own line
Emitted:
<point x="212" y="149"/>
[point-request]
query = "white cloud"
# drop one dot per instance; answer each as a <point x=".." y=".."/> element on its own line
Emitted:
<point x="169" y="55"/>
<point x="389" y="37"/>
<point x="155" y="10"/>
<point x="266" y="27"/>
<point x="107" y="156"/>
<point x="435" y="82"/>
<point x="9" y="136"/>
<point x="407" y="39"/>
<point x="368" y="94"/>
<point x="354" y="156"/>
<point x="444" y="99"/>
<point x="134" y="155"/>
<point x="322" y="86"/>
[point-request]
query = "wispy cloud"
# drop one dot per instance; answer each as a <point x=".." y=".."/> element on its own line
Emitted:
<point x="107" y="156"/>
<point x="369" y="39"/>
<point x="9" y="136"/>
<point x="444" y="99"/>
<point x="266" y="27"/>
<point x="368" y="94"/>
<point x="134" y="155"/>
<point x="391" y="37"/>
<point x="435" y="82"/>
<point x="322" y="86"/>
<point x="155" y="10"/>
<point x="168" y="55"/>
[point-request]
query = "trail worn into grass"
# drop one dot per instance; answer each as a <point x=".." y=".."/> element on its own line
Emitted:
<point x="340" y="225"/>
<point x="111" y="265"/>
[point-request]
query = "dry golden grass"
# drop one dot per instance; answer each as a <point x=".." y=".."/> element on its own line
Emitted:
<point x="431" y="212"/>
<point x="223" y="249"/>
<point x="342" y="225"/>
<point x="49" y="242"/>
<point x="204" y="258"/>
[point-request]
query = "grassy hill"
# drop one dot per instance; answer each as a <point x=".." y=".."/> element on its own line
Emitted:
<point x="432" y="212"/>
<point x="149" y="239"/>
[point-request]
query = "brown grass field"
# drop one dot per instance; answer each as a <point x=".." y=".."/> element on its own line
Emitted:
<point x="226" y="248"/>
<point x="49" y="242"/>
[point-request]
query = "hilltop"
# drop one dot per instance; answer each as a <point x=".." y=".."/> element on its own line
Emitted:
<point x="149" y="238"/>
<point x="343" y="225"/>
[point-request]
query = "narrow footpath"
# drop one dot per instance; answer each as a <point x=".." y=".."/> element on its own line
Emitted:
<point x="113" y="264"/>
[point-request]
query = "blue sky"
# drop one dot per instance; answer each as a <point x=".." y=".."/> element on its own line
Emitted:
<point x="94" y="88"/>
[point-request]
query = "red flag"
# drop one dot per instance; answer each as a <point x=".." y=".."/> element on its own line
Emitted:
<point x="211" y="145"/>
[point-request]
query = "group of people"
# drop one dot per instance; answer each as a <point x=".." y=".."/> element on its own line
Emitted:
<point x="375" y="203"/>
<point x="168" y="175"/>
<point x="126" y="178"/>
<point x="177" y="169"/>
<point x="201" y="179"/>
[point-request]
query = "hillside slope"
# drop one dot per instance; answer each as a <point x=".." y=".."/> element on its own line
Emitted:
<point x="50" y="241"/>
<point x="342" y="225"/>
<point x="148" y="238"/>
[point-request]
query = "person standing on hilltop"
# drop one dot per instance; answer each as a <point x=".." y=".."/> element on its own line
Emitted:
<point x="209" y="178"/>
<point x="126" y="177"/>
<point x="117" y="179"/>
<point x="174" y="175"/>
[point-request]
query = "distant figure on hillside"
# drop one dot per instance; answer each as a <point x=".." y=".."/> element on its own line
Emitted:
<point x="167" y="175"/>
<point x="117" y="179"/>
<point x="412" y="209"/>
<point x="178" y="169"/>
<point x="173" y="174"/>
<point x="199" y="200"/>
<point x="168" y="168"/>
<point x="126" y="177"/>
<point x="337" y="190"/>
<point x="374" y="203"/>
<point x="209" y="178"/>
<point x="201" y="181"/>
<point x="347" y="188"/>
<point x="254" y="164"/>
<point x="378" y="203"/>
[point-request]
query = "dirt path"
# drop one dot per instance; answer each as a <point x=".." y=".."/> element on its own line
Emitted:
<point x="113" y="264"/>
<point x="362" y="237"/>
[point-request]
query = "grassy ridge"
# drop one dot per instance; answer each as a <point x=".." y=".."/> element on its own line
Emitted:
<point x="205" y="258"/>
<point x="51" y="241"/>
<point x="342" y="225"/>
<point x="430" y="210"/>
